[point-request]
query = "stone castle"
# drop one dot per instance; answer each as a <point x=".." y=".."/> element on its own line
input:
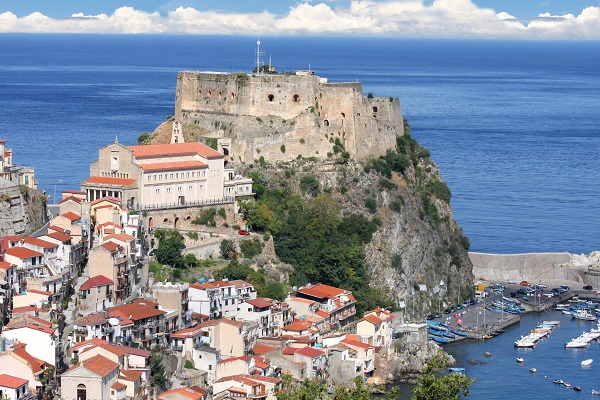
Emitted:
<point x="283" y="116"/>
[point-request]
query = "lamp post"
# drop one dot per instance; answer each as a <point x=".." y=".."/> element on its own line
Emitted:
<point x="59" y="181"/>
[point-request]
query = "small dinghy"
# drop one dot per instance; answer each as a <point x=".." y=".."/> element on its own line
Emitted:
<point x="567" y="385"/>
<point x="577" y="388"/>
<point x="587" y="363"/>
<point x="534" y="370"/>
<point x="520" y="359"/>
<point x="558" y="381"/>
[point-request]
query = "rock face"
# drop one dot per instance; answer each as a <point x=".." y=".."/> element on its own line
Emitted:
<point x="22" y="210"/>
<point x="417" y="258"/>
<point x="410" y="362"/>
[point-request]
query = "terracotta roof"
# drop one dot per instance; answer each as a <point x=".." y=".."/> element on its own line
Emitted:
<point x="289" y="350"/>
<point x="322" y="313"/>
<point x="202" y="286"/>
<point x="22" y="252"/>
<point x="195" y="330"/>
<point x="301" y="300"/>
<point x="260" y="302"/>
<point x="110" y="246"/>
<point x="261" y="363"/>
<point x="260" y="378"/>
<point x="74" y="191"/>
<point x="99" y="365"/>
<point x="110" y="181"/>
<point x="59" y="236"/>
<point x="173" y="166"/>
<point x="381" y="313"/>
<point x="60" y="229"/>
<point x="231" y="359"/>
<point x="39" y="292"/>
<point x="137" y="311"/>
<point x="70" y="198"/>
<point x="25" y="319"/>
<point x="130" y="374"/>
<point x="90" y="342"/>
<point x="310" y="352"/>
<point x="91" y="319"/>
<point x="245" y="379"/>
<point x="239" y="284"/>
<point x="17" y="310"/>
<point x="297" y="326"/>
<point x="39" y="242"/>
<point x="174" y="149"/>
<point x="122" y="237"/>
<point x="356" y="343"/>
<point x="12" y="382"/>
<point x="373" y="319"/>
<point x="183" y="391"/>
<point x="110" y="199"/>
<point x="118" y="386"/>
<point x="135" y="352"/>
<point x="222" y="283"/>
<point x="108" y="347"/>
<point x="34" y="363"/>
<point x="221" y="320"/>
<point x="259" y="349"/>
<point x="146" y="302"/>
<point x="6" y="265"/>
<point x="321" y="291"/>
<point x="95" y="281"/>
<point x="71" y="216"/>
<point x="35" y="327"/>
<point x="123" y="319"/>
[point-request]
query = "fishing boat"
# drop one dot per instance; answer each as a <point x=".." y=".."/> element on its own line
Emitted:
<point x="587" y="363"/>
<point x="534" y="370"/>
<point x="459" y="332"/>
<point x="438" y="339"/>
<point x="567" y="385"/>
<point x="583" y="314"/>
<point x="576" y="344"/>
<point x="520" y="359"/>
<point x="558" y="381"/>
<point x="596" y="392"/>
<point x="456" y="370"/>
<point x="436" y="332"/>
<point x="577" y="388"/>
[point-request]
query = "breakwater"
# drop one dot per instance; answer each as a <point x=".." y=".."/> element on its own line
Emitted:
<point x="534" y="267"/>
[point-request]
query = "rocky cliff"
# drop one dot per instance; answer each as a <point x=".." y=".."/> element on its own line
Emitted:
<point x="22" y="210"/>
<point x="418" y="254"/>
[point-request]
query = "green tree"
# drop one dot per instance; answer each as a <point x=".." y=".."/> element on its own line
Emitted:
<point x="310" y="184"/>
<point x="157" y="370"/>
<point x="274" y="290"/>
<point x="250" y="247"/>
<point x="227" y="249"/>
<point x="234" y="270"/>
<point x="446" y="387"/>
<point x="169" y="249"/>
<point x="190" y="261"/>
<point x="144" y="138"/>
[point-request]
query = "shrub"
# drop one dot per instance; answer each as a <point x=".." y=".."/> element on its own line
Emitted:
<point x="371" y="205"/>
<point x="282" y="148"/>
<point x="439" y="189"/>
<point x="261" y="161"/>
<point x="259" y="119"/>
<point x="227" y="249"/>
<point x="310" y="184"/>
<point x="207" y="217"/>
<point x="221" y="213"/>
<point x="396" y="205"/>
<point x="369" y="95"/>
<point x="250" y="248"/>
<point x="387" y="184"/>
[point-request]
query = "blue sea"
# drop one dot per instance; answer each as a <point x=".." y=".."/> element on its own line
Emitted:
<point x="513" y="125"/>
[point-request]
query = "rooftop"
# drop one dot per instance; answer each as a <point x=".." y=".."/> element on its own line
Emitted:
<point x="174" y="149"/>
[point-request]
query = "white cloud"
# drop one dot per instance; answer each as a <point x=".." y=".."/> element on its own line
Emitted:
<point x="400" y="18"/>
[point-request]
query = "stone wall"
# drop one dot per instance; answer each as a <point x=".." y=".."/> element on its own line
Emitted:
<point x="22" y="210"/>
<point x="304" y="114"/>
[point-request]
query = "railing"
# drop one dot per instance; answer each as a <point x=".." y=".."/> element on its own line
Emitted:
<point x="197" y="203"/>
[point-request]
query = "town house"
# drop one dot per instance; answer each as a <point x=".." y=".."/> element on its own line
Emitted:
<point x="377" y="326"/>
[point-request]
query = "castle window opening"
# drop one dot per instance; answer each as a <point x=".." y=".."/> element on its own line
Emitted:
<point x="343" y="115"/>
<point x="326" y="122"/>
<point x="166" y="220"/>
<point x="220" y="94"/>
<point x="210" y="93"/>
<point x="232" y="96"/>
<point x="358" y="114"/>
<point x="199" y="91"/>
<point x="374" y="109"/>
<point x="271" y="97"/>
<point x="296" y="98"/>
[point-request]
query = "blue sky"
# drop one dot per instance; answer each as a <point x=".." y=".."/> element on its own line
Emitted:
<point x="528" y="19"/>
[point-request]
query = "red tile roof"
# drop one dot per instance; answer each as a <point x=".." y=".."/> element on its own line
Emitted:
<point x="74" y="191"/>
<point x="174" y="149"/>
<point x="260" y="302"/>
<point x="231" y="359"/>
<point x="95" y="281"/>
<point x="261" y="363"/>
<point x="373" y="319"/>
<point x="91" y="319"/>
<point x="289" y="350"/>
<point x="22" y="252"/>
<point x="60" y="229"/>
<point x="6" y="265"/>
<point x="93" y="342"/>
<point x="130" y="375"/>
<point x="183" y="391"/>
<point x="202" y="286"/>
<point x="118" y="386"/>
<point x="59" y="236"/>
<point x="12" y="382"/>
<point x="110" y="199"/>
<point x="137" y="311"/>
<point x="135" y="352"/>
<point x="111" y="181"/>
<point x="321" y="291"/>
<point x="356" y="343"/>
<point x="245" y="379"/>
<point x="34" y="363"/>
<point x="98" y="364"/>
<point x="239" y="284"/>
<point x="121" y="237"/>
<point x="310" y="352"/>
<point x="146" y="302"/>
<point x="297" y="326"/>
<point x="110" y="246"/>
<point x="260" y="378"/>
<point x="259" y="349"/>
<point x="173" y="166"/>
<point x="39" y="242"/>
<point x="39" y="292"/>
<point x="188" y="332"/>
<point x="71" y="216"/>
<point x="70" y="198"/>
<point x="221" y="320"/>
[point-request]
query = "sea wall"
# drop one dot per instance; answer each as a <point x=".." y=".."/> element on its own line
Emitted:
<point x="533" y="267"/>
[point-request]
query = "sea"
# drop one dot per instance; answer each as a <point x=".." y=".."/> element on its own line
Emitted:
<point x="513" y="125"/>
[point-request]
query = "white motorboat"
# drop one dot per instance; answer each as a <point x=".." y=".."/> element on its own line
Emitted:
<point x="576" y="344"/>
<point x="587" y="363"/>
<point x="520" y="360"/>
<point x="583" y="315"/>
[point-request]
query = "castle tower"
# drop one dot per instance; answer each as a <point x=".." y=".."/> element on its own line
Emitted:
<point x="177" y="133"/>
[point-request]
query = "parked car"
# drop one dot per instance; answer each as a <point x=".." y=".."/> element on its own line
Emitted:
<point x="515" y="295"/>
<point x="511" y="282"/>
<point x="525" y="283"/>
<point x="430" y="317"/>
<point x="548" y="294"/>
<point x="448" y="311"/>
<point x="559" y="290"/>
<point x="243" y="232"/>
<point x="438" y="315"/>
<point x="522" y="291"/>
<point x="587" y="287"/>
<point x="565" y="287"/>
<point x="152" y="252"/>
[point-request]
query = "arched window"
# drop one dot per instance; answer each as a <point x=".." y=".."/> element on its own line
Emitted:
<point x="296" y="98"/>
<point x="81" y="392"/>
<point x="150" y="223"/>
<point x="271" y="97"/>
<point x="343" y="115"/>
<point x="326" y="122"/>
<point x="374" y="109"/>
<point x="177" y="225"/>
<point x="232" y="95"/>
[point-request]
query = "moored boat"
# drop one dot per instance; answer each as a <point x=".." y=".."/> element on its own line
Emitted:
<point x="558" y="381"/>
<point x="577" y="388"/>
<point x="438" y="339"/>
<point x="586" y="363"/>
<point x="459" y="332"/>
<point x="567" y="385"/>
<point x="456" y="370"/>
<point x="520" y="359"/>
<point x="534" y="370"/>
<point x="583" y="314"/>
<point x="596" y="392"/>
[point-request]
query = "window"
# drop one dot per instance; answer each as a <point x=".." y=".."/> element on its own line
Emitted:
<point x="168" y="190"/>
<point x="296" y="98"/>
<point x="177" y="175"/>
<point x="171" y="176"/>
<point x="187" y="174"/>
<point x="81" y="392"/>
<point x="271" y="97"/>
<point x="193" y="174"/>
<point x="190" y="187"/>
<point x="179" y="189"/>
<point x="157" y="191"/>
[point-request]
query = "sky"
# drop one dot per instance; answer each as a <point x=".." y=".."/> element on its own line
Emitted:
<point x="521" y="19"/>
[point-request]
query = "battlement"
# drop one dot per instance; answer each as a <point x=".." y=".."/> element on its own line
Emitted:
<point x="263" y="112"/>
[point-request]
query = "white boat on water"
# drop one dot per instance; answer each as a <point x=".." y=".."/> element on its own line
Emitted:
<point x="587" y="363"/>
<point x="576" y="344"/>
<point x="524" y="343"/>
<point x="552" y="322"/>
<point x="584" y="315"/>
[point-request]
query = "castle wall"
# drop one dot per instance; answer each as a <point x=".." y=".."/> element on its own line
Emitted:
<point x="304" y="113"/>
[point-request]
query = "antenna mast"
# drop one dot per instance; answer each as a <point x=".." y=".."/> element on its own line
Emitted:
<point x="259" y="57"/>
